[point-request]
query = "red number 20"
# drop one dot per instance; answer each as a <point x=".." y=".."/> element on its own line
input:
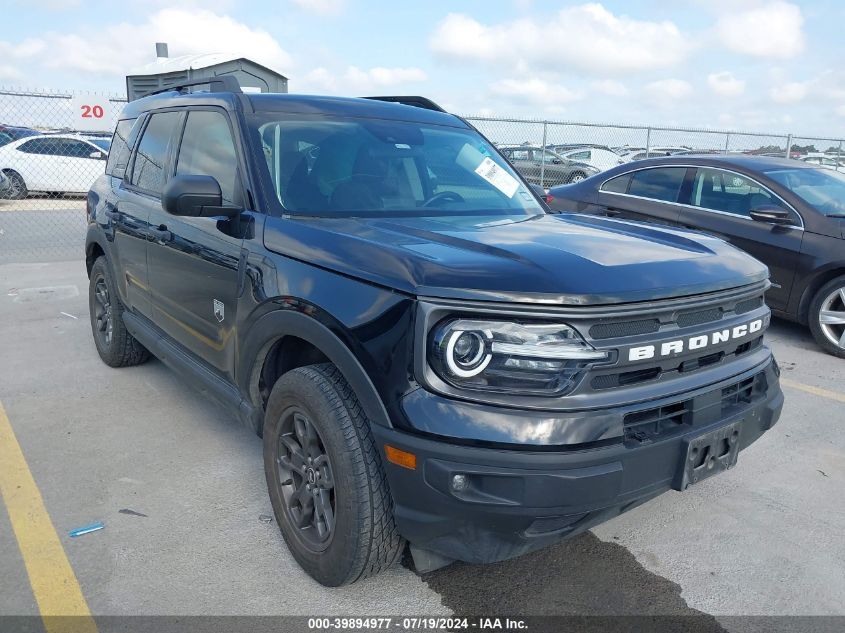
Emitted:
<point x="89" y="112"/>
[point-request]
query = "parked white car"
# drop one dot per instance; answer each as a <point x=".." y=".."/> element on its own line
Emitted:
<point x="50" y="163"/>
<point x="653" y="152"/>
<point x="598" y="157"/>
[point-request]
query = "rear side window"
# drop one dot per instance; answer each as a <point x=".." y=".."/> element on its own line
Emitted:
<point x="208" y="150"/>
<point x="45" y="146"/>
<point x="120" y="149"/>
<point x="663" y="183"/>
<point x="150" y="159"/>
<point x="618" y="184"/>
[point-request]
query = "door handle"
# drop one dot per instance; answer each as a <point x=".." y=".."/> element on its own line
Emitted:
<point x="611" y="212"/>
<point x="161" y="234"/>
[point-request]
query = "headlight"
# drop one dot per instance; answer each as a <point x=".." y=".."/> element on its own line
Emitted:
<point x="526" y="358"/>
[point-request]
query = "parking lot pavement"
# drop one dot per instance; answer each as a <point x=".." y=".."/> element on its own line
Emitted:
<point x="41" y="229"/>
<point x="763" y="538"/>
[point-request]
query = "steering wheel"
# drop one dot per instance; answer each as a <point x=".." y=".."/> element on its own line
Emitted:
<point x="443" y="196"/>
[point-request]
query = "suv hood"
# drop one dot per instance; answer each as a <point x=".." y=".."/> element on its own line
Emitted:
<point x="556" y="259"/>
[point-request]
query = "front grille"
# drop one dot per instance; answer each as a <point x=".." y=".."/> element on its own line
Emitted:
<point x="624" y="328"/>
<point x="748" y="305"/>
<point x="609" y="381"/>
<point x="673" y="320"/>
<point x="689" y="319"/>
<point x="667" y="319"/>
<point x="633" y="377"/>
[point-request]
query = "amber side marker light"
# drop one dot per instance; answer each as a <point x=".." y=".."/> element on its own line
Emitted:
<point x="400" y="458"/>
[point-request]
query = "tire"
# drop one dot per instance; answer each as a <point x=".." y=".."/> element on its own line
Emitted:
<point x="827" y="317"/>
<point x="115" y="345"/>
<point x="313" y="407"/>
<point x="578" y="176"/>
<point x="17" y="187"/>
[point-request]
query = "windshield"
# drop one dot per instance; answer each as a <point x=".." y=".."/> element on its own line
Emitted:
<point x="822" y="189"/>
<point x="379" y="167"/>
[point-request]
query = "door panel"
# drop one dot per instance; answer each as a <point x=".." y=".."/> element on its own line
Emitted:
<point x="194" y="262"/>
<point x="129" y="218"/>
<point x="36" y="170"/>
<point x="720" y="203"/>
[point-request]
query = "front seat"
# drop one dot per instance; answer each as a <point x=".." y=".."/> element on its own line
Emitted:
<point x="364" y="189"/>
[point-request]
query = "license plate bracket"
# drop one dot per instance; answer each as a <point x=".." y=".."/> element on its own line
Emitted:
<point x="710" y="453"/>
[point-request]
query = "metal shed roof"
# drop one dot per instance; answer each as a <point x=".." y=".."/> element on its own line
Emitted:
<point x="193" y="62"/>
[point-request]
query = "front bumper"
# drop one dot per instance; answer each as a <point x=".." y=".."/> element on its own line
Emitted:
<point x="520" y="500"/>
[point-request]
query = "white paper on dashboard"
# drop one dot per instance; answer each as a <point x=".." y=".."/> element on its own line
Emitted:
<point x="498" y="177"/>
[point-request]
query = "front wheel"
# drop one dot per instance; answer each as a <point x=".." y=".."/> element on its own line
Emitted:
<point x="827" y="317"/>
<point x="578" y="176"/>
<point x="327" y="486"/>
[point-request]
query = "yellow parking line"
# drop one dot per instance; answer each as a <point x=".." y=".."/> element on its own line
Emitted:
<point x="53" y="582"/>
<point x="816" y="391"/>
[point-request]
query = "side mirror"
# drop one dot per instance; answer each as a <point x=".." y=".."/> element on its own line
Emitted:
<point x="771" y="215"/>
<point x="97" y="155"/>
<point x="195" y="196"/>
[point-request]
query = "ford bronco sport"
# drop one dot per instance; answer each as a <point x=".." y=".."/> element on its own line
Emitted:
<point x="429" y="353"/>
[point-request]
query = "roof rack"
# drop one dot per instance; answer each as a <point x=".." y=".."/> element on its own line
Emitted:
<point x="419" y="102"/>
<point x="220" y="83"/>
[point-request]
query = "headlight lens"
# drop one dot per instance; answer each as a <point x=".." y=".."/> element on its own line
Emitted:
<point x="527" y="358"/>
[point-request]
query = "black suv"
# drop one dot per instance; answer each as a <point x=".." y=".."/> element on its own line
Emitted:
<point x="430" y="355"/>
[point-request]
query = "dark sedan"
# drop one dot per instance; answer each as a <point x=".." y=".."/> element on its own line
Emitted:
<point x="788" y="214"/>
<point x="545" y="167"/>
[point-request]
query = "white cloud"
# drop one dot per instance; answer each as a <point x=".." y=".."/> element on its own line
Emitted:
<point x="791" y="92"/>
<point x="534" y="91"/>
<point x="609" y="87"/>
<point x="354" y="80"/>
<point x="119" y="48"/>
<point x="725" y="84"/>
<point x="9" y="72"/>
<point x="773" y="30"/>
<point x="321" y="7"/>
<point x="586" y="38"/>
<point x="667" y="91"/>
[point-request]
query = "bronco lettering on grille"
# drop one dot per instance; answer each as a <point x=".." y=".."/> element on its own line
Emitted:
<point x="644" y="352"/>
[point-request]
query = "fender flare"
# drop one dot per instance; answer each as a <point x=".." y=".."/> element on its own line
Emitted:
<point x="272" y="327"/>
<point x="93" y="236"/>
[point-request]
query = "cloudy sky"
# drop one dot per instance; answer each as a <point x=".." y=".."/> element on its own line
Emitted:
<point x="770" y="65"/>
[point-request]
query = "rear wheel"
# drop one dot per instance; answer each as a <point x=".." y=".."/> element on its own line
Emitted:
<point x="115" y="345"/>
<point x="326" y="483"/>
<point x="578" y="176"/>
<point x="827" y="317"/>
<point x="17" y="187"/>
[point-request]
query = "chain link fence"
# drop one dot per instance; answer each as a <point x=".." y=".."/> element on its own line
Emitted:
<point x="602" y="146"/>
<point x="53" y="145"/>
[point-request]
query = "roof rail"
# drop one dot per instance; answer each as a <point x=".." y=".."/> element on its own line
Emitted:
<point x="419" y="102"/>
<point x="220" y="83"/>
